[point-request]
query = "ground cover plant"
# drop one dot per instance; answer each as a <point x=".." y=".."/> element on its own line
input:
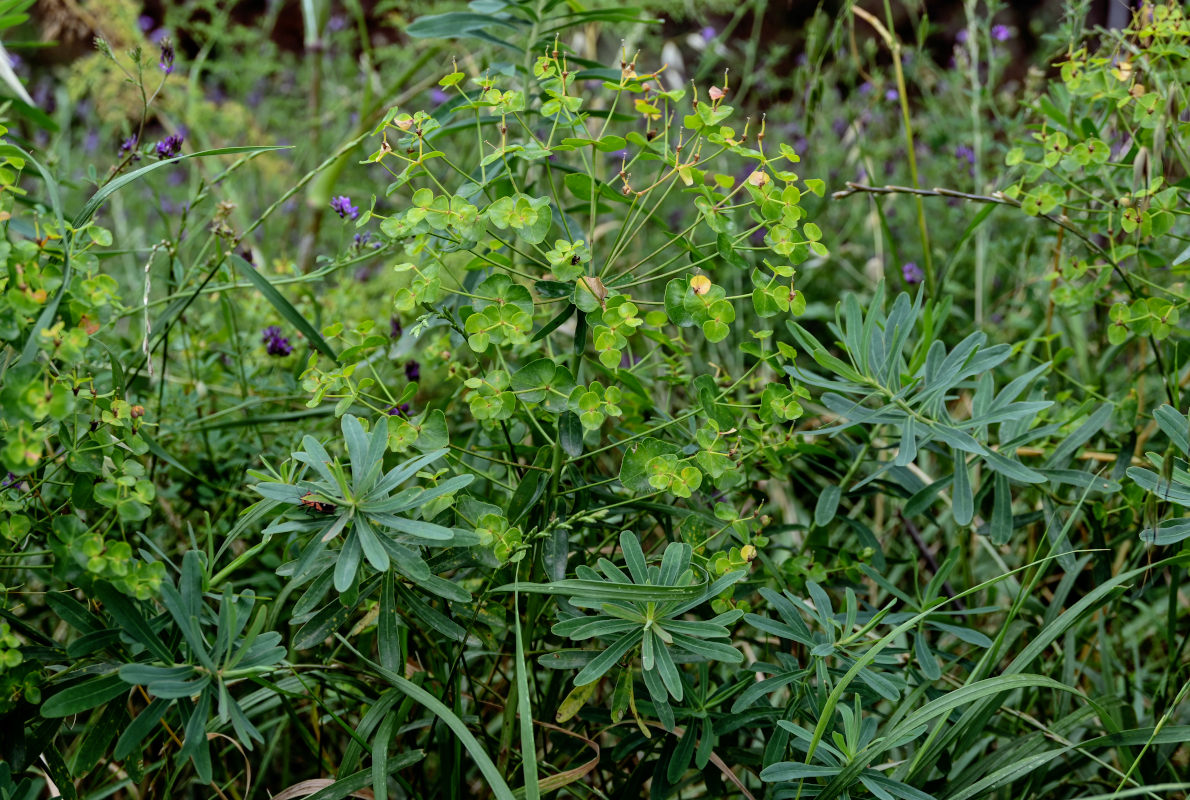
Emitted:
<point x="517" y="400"/>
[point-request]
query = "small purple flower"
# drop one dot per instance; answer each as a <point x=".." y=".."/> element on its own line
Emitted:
<point x="965" y="153"/>
<point x="892" y="95"/>
<point x="361" y="239"/>
<point x="1001" y="33"/>
<point x="10" y="481"/>
<point x="170" y="146"/>
<point x="438" y="96"/>
<point x="961" y="36"/>
<point x="276" y="344"/>
<point x="394" y="328"/>
<point x="337" y="22"/>
<point x="145" y="23"/>
<point x="127" y="144"/>
<point x="619" y="155"/>
<point x="708" y="33"/>
<point x="341" y="205"/>
<point x="167" y="56"/>
<point x="912" y="273"/>
<point x="91" y="141"/>
<point x="412" y="370"/>
<point x="399" y="411"/>
<point x="865" y="88"/>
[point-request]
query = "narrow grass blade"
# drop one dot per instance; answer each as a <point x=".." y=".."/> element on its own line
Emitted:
<point x="525" y="713"/>
<point x="486" y="766"/>
<point x="283" y="306"/>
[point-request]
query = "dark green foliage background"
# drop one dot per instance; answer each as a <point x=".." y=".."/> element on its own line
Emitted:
<point x="536" y="398"/>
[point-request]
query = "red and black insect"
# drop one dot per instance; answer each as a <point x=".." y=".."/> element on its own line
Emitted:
<point x="315" y="505"/>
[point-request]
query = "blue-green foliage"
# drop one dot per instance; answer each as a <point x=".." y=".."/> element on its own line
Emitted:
<point x="531" y="422"/>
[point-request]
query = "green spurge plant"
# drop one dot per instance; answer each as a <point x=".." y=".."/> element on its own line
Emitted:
<point x="1170" y="483"/>
<point x="360" y="503"/>
<point x="1105" y="163"/>
<point x="194" y="674"/>
<point x="577" y="464"/>
<point x="901" y="383"/>
<point x="643" y="609"/>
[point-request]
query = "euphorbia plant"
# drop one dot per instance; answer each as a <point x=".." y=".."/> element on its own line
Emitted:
<point x="582" y="245"/>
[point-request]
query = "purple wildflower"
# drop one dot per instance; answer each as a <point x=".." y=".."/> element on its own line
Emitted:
<point x="337" y="22"/>
<point x="145" y="23"/>
<point x="341" y="205"/>
<point x="912" y="273"/>
<point x="892" y="95"/>
<point x="1001" y="33"/>
<point x="167" y="56"/>
<point x="277" y="345"/>
<point x="394" y="328"/>
<point x="865" y="87"/>
<point x="361" y="239"/>
<point x="961" y="36"/>
<point x="128" y="146"/>
<point x="438" y="96"/>
<point x="965" y="153"/>
<point x="399" y="411"/>
<point x="170" y="146"/>
<point x="412" y="370"/>
<point x="91" y="141"/>
<point x="708" y="33"/>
